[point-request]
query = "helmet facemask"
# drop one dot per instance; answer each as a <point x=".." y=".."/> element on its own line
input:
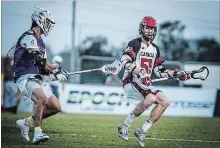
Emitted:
<point x="148" y="33"/>
<point x="48" y="26"/>
<point x="44" y="20"/>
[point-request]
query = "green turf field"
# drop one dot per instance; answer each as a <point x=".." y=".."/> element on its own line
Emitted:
<point x="70" y="130"/>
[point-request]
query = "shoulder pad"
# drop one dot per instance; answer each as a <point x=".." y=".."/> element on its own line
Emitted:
<point x="135" y="44"/>
<point x="133" y="48"/>
<point x="29" y="42"/>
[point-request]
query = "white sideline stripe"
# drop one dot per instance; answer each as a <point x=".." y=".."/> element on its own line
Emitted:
<point x="159" y="139"/>
<point x="185" y="140"/>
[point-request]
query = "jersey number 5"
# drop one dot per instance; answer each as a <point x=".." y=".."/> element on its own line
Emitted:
<point x="146" y="64"/>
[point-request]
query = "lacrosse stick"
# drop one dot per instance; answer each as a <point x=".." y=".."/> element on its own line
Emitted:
<point x="113" y="68"/>
<point x="201" y="74"/>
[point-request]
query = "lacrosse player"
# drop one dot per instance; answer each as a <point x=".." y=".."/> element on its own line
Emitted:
<point x="140" y="58"/>
<point x="30" y="63"/>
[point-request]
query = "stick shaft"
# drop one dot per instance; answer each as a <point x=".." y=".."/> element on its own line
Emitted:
<point x="158" y="80"/>
<point x="83" y="71"/>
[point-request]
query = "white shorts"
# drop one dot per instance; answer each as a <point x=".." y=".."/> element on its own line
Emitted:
<point x="28" y="83"/>
<point x="135" y="93"/>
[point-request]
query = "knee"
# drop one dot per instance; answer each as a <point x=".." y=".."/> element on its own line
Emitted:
<point x="54" y="107"/>
<point x="41" y="101"/>
<point x="58" y="109"/>
<point x="53" y="104"/>
<point x="166" y="102"/>
<point x="39" y="98"/>
<point x="150" y="99"/>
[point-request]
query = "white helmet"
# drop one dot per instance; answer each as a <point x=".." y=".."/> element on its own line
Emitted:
<point x="44" y="19"/>
<point x="57" y="60"/>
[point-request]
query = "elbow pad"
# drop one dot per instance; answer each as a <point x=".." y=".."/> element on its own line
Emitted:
<point x="38" y="60"/>
<point x="127" y="64"/>
<point x="43" y="71"/>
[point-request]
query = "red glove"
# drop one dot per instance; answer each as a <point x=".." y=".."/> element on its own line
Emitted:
<point x="182" y="75"/>
<point x="144" y="77"/>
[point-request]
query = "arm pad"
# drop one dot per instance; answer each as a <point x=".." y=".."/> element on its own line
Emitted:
<point x="39" y="61"/>
<point x="127" y="64"/>
<point x="44" y="72"/>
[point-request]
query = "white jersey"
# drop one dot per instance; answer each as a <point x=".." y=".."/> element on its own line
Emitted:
<point x="142" y="55"/>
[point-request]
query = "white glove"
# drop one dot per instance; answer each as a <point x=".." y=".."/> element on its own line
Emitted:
<point x="181" y="75"/>
<point x="60" y="77"/>
<point x="59" y="74"/>
<point x="144" y="77"/>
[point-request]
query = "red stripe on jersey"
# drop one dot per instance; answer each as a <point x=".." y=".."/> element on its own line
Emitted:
<point x="158" y="61"/>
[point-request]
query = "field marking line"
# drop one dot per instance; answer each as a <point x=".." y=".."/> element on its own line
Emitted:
<point x="159" y="139"/>
<point x="185" y="140"/>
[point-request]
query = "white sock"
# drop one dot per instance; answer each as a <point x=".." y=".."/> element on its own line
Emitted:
<point x="147" y="124"/>
<point x="130" y="118"/>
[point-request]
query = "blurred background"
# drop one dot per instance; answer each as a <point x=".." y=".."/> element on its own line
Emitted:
<point x="89" y="34"/>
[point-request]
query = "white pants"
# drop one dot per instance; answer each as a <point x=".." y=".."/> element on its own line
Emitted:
<point x="136" y="94"/>
<point x="28" y="83"/>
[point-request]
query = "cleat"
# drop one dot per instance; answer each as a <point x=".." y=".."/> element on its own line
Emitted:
<point x="24" y="127"/>
<point x="39" y="137"/>
<point x="140" y="136"/>
<point x="123" y="131"/>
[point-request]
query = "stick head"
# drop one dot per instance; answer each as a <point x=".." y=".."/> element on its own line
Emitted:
<point x="201" y="74"/>
<point x="113" y="68"/>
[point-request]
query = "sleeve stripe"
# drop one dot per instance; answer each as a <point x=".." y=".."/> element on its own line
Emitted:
<point x="133" y="69"/>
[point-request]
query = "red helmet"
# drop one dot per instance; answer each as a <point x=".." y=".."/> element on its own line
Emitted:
<point x="148" y="22"/>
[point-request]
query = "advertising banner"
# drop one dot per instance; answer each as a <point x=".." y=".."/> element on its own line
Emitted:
<point x="93" y="99"/>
